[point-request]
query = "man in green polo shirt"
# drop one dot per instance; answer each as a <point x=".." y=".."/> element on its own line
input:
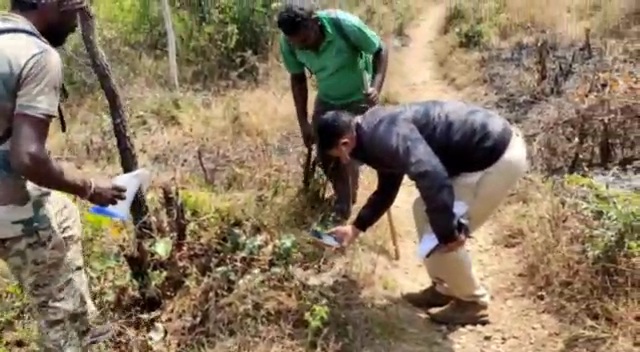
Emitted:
<point x="349" y="62"/>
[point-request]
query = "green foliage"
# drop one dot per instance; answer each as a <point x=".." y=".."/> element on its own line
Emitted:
<point x="224" y="39"/>
<point x="14" y="308"/>
<point x="457" y="16"/>
<point x="213" y="39"/>
<point x="162" y="247"/>
<point x="225" y="35"/>
<point x="474" y="22"/>
<point x="236" y="273"/>
<point x="316" y="317"/>
<point x="228" y="256"/>
<point x="617" y="213"/>
<point x="471" y="36"/>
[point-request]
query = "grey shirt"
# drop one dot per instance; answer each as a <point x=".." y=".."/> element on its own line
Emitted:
<point x="431" y="142"/>
<point x="30" y="84"/>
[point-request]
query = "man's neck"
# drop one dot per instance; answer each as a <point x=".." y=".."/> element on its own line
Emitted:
<point x="322" y="35"/>
<point x="29" y="16"/>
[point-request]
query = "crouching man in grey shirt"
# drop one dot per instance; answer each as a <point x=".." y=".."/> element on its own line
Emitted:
<point x="452" y="151"/>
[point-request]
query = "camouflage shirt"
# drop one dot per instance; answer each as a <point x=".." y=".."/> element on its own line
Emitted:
<point x="30" y="83"/>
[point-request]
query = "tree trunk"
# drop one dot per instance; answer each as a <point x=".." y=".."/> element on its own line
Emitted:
<point x="138" y="259"/>
<point x="171" y="44"/>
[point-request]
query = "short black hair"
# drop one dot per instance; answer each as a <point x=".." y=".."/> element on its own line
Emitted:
<point x="293" y="18"/>
<point x="332" y="127"/>
<point x="23" y="5"/>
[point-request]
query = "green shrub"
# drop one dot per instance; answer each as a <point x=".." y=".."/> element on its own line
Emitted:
<point x="214" y="39"/>
<point x="224" y="39"/>
<point x="474" y="22"/>
<point x="581" y="245"/>
<point x="617" y="236"/>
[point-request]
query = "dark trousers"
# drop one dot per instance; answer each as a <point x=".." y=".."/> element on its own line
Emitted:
<point x="343" y="178"/>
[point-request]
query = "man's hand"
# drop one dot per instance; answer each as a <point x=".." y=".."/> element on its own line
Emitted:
<point x="307" y="134"/>
<point x="345" y="234"/>
<point x="105" y="194"/>
<point x="372" y="96"/>
<point x="455" y="245"/>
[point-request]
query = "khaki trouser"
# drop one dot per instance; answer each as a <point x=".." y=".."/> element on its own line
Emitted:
<point x="40" y="243"/>
<point x="452" y="273"/>
<point x="344" y="179"/>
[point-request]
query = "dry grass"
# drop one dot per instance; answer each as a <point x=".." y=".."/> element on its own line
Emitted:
<point x="569" y="17"/>
<point x="504" y="19"/>
<point x="591" y="285"/>
<point x="488" y="24"/>
<point x="231" y="286"/>
<point x="246" y="278"/>
<point x="582" y="116"/>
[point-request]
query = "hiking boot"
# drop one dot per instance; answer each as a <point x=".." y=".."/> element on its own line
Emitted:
<point x="98" y="334"/>
<point x="427" y="298"/>
<point x="460" y="312"/>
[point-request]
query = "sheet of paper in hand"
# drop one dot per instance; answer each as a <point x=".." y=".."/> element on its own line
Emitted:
<point x="325" y="238"/>
<point x="429" y="241"/>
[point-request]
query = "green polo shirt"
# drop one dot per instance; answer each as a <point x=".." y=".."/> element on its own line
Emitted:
<point x="336" y="66"/>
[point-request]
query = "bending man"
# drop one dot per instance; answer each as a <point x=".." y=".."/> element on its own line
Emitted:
<point x="451" y="150"/>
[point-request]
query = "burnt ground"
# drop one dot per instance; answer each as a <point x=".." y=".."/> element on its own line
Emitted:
<point x="576" y="102"/>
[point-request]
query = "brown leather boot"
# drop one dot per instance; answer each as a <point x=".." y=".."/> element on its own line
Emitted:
<point x="460" y="312"/>
<point x="427" y="298"/>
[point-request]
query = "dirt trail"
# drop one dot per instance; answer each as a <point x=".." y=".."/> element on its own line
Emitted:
<point x="518" y="324"/>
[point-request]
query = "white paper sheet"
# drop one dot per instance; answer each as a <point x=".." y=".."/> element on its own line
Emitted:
<point x="429" y="240"/>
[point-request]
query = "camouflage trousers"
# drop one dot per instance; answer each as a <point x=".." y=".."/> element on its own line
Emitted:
<point x="44" y="253"/>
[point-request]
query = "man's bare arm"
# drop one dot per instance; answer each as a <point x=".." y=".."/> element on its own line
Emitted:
<point x="37" y="102"/>
<point x="380" y="64"/>
<point x="300" y="93"/>
<point x="29" y="157"/>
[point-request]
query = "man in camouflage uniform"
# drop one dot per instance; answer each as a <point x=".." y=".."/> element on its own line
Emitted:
<point x="39" y="229"/>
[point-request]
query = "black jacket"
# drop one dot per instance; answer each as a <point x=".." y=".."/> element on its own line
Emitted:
<point x="431" y="142"/>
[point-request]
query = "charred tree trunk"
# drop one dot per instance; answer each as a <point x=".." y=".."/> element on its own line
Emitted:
<point x="543" y="56"/>
<point x="138" y="258"/>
